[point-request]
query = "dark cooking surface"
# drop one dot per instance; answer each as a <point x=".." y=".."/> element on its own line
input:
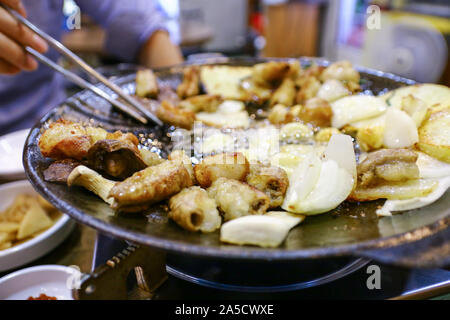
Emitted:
<point x="350" y="229"/>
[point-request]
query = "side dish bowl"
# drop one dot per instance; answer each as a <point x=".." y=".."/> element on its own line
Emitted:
<point x="41" y="244"/>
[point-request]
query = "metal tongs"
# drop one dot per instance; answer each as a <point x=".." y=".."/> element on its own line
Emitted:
<point x="134" y="104"/>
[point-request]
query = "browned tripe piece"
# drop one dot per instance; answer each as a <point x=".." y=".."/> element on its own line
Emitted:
<point x="273" y="181"/>
<point x="175" y="116"/>
<point x="237" y="199"/>
<point x="65" y="140"/>
<point x="150" y="186"/>
<point x="168" y="94"/>
<point x="146" y="84"/>
<point x="228" y="165"/>
<point x="125" y="137"/>
<point x="204" y="102"/>
<point x="182" y="156"/>
<point x="116" y="158"/>
<point x="387" y="165"/>
<point x="313" y="71"/>
<point x="308" y="90"/>
<point x="317" y="112"/>
<point x="390" y="174"/>
<point x="273" y="72"/>
<point x="285" y="94"/>
<point x="60" y="170"/>
<point x="191" y="83"/>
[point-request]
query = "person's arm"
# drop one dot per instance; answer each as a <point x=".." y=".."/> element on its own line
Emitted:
<point x="13" y="36"/>
<point x="135" y="31"/>
<point x="159" y="51"/>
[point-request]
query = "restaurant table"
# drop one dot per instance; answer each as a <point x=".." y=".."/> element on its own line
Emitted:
<point x="87" y="250"/>
<point x="78" y="250"/>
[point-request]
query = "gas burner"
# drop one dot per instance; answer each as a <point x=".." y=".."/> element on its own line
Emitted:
<point x="168" y="276"/>
<point x="261" y="276"/>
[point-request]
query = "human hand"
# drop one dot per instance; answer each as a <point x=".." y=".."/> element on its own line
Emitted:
<point x="13" y="37"/>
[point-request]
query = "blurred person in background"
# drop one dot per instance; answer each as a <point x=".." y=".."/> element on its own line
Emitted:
<point x="135" y="33"/>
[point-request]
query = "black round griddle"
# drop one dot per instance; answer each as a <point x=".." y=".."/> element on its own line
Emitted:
<point x="413" y="238"/>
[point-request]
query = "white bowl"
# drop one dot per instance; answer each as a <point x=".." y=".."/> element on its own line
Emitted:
<point x="11" y="149"/>
<point x="36" y="247"/>
<point x="52" y="280"/>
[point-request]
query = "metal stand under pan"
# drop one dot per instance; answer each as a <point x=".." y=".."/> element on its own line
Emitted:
<point x="121" y="270"/>
<point x="240" y="275"/>
<point x="261" y="276"/>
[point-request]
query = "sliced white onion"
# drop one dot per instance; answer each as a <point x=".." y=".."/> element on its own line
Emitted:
<point x="400" y="130"/>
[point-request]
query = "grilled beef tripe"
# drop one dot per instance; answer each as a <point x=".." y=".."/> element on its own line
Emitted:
<point x="228" y="165"/>
<point x="236" y="199"/>
<point x="175" y="116"/>
<point x="191" y="83"/>
<point x="150" y="186"/>
<point x="388" y="165"/>
<point x="273" y="181"/>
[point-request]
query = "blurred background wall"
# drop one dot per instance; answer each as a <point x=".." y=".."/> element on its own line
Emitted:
<point x="406" y="37"/>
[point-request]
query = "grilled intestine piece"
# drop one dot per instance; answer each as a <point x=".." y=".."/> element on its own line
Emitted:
<point x="150" y="158"/>
<point x="280" y="114"/>
<point x="204" y="102"/>
<point x="168" y="94"/>
<point x="146" y="84"/>
<point x="342" y="71"/>
<point x="67" y="140"/>
<point x="194" y="210"/>
<point x="175" y="116"/>
<point x="191" y="83"/>
<point x="390" y="174"/>
<point x="317" y="111"/>
<point x="304" y="75"/>
<point x="285" y="94"/>
<point x="273" y="72"/>
<point x="273" y="181"/>
<point x="84" y="177"/>
<point x="227" y="165"/>
<point x="181" y="156"/>
<point x="150" y="186"/>
<point x="393" y="165"/>
<point x="308" y="90"/>
<point x="115" y="154"/>
<point x="237" y="199"/>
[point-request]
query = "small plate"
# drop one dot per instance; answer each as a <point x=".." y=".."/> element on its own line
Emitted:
<point x="51" y="280"/>
<point x="11" y="148"/>
<point x="34" y="248"/>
